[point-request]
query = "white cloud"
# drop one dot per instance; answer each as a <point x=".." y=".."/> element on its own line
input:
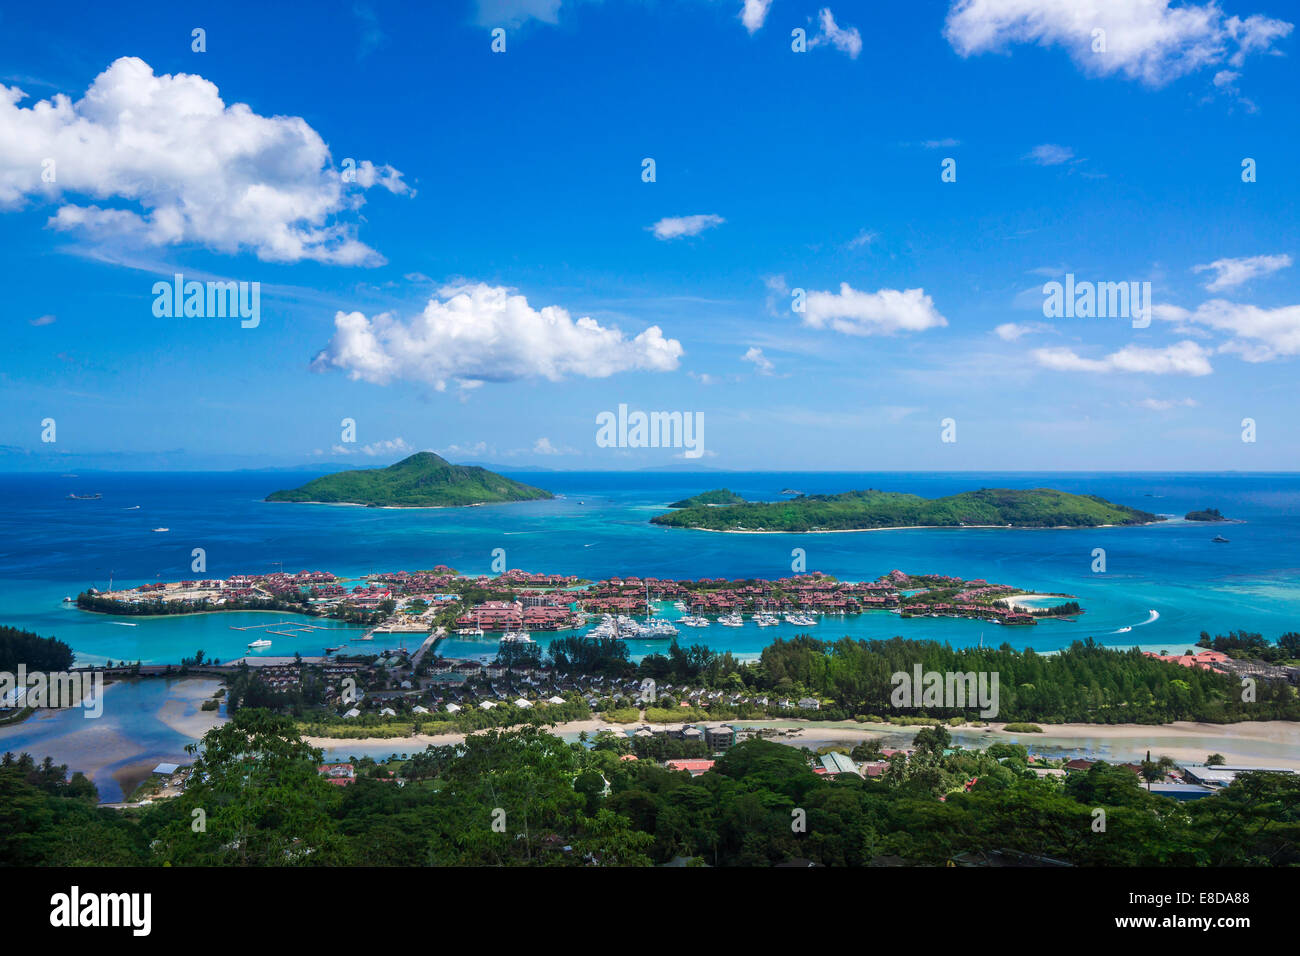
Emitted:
<point x="754" y="13"/>
<point x="1165" y="404"/>
<point x="1229" y="273"/>
<point x="761" y="361"/>
<point x="191" y="168"/>
<point x="1182" y="358"/>
<point x="864" y="238"/>
<point x="480" y="333"/>
<point x="543" y="446"/>
<point x="1010" y="331"/>
<point x="872" y="313"/>
<point x="391" y="446"/>
<point x="43" y="320"/>
<point x="476" y="450"/>
<point x="947" y="143"/>
<point x="675" y="227"/>
<point x="1146" y="40"/>
<point x="1258" y="334"/>
<point x="846" y="41"/>
<point x="1050" y="154"/>
<point x="504" y="13"/>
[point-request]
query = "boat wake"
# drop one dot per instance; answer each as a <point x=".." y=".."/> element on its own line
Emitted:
<point x="1154" y="616"/>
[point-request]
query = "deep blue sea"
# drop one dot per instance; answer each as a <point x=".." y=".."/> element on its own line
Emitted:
<point x="51" y="546"/>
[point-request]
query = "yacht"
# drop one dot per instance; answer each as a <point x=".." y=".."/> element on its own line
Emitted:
<point x="694" y="621"/>
<point x="607" y="629"/>
<point x="262" y="642"/>
<point x="656" y="628"/>
<point x="469" y="632"/>
<point x="766" y="620"/>
<point x="1219" y="539"/>
<point x="731" y="620"/>
<point x="516" y="637"/>
<point x="162" y="529"/>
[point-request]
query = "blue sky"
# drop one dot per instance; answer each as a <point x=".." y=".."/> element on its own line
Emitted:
<point x="456" y="248"/>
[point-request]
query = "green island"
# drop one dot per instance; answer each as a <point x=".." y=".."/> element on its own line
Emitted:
<point x="865" y="510"/>
<point x="714" y="498"/>
<point x="1205" y="514"/>
<point x="424" y="480"/>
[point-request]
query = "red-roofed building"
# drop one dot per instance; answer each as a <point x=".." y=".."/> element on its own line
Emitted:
<point x="339" y="774"/>
<point x="694" y="767"/>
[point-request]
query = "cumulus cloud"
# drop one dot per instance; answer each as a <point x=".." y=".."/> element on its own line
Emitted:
<point x="1258" y="334"/>
<point x="845" y="40"/>
<point x="1010" y="331"/>
<point x="1165" y="404"/>
<point x="387" y="448"/>
<point x="1050" y="154"/>
<point x="1229" y="273"/>
<point x="754" y="13"/>
<point x="478" y="333"/>
<point x="1182" y="358"/>
<point x="761" y="361"/>
<point x="543" y="446"/>
<point x="1146" y="40"/>
<point x="676" y="227"/>
<point x="476" y="450"/>
<point x="872" y="313"/>
<point x="189" y="167"/>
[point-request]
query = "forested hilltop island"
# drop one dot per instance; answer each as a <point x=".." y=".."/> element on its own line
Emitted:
<point x="714" y="498"/>
<point x="423" y="480"/>
<point x="865" y="510"/>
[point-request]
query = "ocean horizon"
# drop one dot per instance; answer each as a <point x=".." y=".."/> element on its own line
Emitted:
<point x="598" y="526"/>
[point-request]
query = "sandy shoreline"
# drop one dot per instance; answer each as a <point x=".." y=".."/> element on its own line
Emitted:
<point x="1266" y="743"/>
<point x="1029" y="596"/>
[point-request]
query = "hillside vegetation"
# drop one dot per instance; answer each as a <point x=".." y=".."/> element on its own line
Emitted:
<point x="860" y="510"/>
<point x="718" y="496"/>
<point x="422" y="480"/>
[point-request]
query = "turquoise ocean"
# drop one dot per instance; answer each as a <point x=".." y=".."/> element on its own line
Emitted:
<point x="52" y="547"/>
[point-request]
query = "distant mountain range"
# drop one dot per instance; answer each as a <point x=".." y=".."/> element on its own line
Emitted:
<point x="423" y="480"/>
<point x="864" y="510"/>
